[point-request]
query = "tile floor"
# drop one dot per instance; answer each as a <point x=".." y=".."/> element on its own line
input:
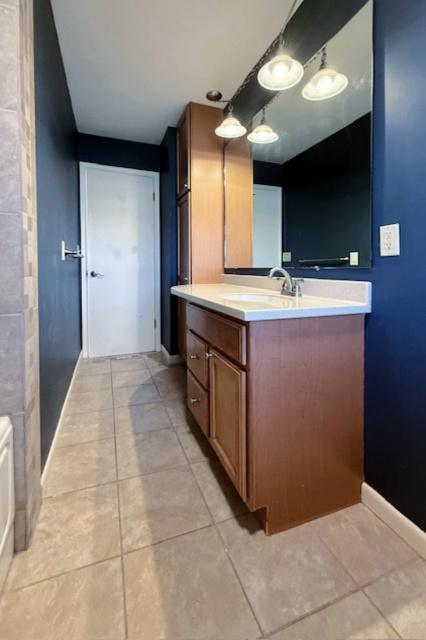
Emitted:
<point x="142" y="536"/>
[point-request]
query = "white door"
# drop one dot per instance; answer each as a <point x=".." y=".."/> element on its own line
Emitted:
<point x="120" y="268"/>
<point x="267" y="226"/>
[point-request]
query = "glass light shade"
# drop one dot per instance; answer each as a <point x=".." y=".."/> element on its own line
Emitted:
<point x="230" y="127"/>
<point x="263" y="134"/>
<point x="326" y="83"/>
<point x="282" y="72"/>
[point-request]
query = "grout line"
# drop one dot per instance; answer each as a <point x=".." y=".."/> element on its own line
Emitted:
<point x="59" y="575"/>
<point x="126" y="635"/>
<point x="224" y="547"/>
<point x="313" y="612"/>
<point x="175" y="537"/>
<point x="381" y="613"/>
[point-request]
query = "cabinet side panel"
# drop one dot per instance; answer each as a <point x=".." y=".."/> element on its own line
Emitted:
<point x="207" y="199"/>
<point x="305" y="416"/>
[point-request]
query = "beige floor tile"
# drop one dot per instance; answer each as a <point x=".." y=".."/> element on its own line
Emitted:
<point x="194" y="443"/>
<point x="171" y="390"/>
<point x="401" y="597"/>
<point x="353" y="618"/>
<point x="128" y="364"/>
<point x="178" y="412"/>
<point x="93" y="367"/>
<point x="155" y="361"/>
<point x="175" y="374"/>
<point x="86" y="401"/>
<point x="140" y="394"/>
<point x="363" y="543"/>
<point x="73" y="530"/>
<point x="160" y="506"/>
<point x="131" y="378"/>
<point x="218" y="491"/>
<point x="92" y="383"/>
<point x="138" y="418"/>
<point x="86" y="604"/>
<point x="185" y="589"/>
<point x="144" y="453"/>
<point x="85" y="427"/>
<point x="81" y="466"/>
<point x="286" y="575"/>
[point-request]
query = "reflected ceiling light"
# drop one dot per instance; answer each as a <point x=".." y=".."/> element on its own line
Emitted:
<point x="283" y="71"/>
<point x="263" y="133"/>
<point x="326" y="83"/>
<point x="230" y="127"/>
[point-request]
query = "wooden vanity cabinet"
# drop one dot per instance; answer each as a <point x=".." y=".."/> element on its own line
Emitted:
<point x="282" y="406"/>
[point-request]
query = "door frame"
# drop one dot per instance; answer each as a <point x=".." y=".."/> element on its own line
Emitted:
<point x="84" y="168"/>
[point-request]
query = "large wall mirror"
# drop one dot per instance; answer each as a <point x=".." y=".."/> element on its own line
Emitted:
<point x="304" y="200"/>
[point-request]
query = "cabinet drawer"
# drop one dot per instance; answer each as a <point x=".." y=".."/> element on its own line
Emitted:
<point x="226" y="335"/>
<point x="198" y="402"/>
<point x="196" y="358"/>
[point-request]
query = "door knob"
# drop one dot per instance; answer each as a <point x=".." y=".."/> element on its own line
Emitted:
<point x="96" y="274"/>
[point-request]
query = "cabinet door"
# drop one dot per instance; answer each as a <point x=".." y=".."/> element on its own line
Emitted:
<point x="184" y="241"/>
<point x="228" y="417"/>
<point x="183" y="160"/>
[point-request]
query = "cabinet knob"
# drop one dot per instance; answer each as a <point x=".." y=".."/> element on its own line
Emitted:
<point x="194" y="356"/>
<point x="194" y="400"/>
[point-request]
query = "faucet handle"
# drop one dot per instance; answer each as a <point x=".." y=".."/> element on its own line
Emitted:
<point x="296" y="286"/>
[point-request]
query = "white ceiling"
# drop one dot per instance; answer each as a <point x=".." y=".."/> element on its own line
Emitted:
<point x="301" y="123"/>
<point x="132" y="65"/>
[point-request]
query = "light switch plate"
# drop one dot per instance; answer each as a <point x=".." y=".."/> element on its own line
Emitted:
<point x="389" y="240"/>
<point x="286" y="256"/>
<point x="354" y="259"/>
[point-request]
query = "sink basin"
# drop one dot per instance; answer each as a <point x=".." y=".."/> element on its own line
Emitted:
<point x="254" y="297"/>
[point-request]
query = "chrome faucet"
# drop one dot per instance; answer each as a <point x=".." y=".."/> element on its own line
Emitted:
<point x="291" y="286"/>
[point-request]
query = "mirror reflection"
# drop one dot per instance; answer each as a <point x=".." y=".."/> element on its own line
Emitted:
<point x="297" y="189"/>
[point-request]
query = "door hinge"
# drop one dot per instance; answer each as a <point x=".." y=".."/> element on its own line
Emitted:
<point x="155" y="324"/>
<point x="153" y="195"/>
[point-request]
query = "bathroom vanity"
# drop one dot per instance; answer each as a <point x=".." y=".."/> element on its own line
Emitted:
<point x="276" y="384"/>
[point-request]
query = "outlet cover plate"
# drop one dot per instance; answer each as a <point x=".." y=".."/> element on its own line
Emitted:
<point x="389" y="240"/>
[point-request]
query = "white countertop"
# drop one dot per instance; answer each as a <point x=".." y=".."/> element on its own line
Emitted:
<point x="272" y="305"/>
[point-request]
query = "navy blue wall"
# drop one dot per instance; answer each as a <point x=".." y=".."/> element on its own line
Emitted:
<point x="168" y="215"/>
<point x="326" y="197"/>
<point x="395" y="412"/>
<point x="58" y="219"/>
<point x="119" y="153"/>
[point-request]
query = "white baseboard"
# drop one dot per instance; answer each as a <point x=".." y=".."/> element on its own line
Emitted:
<point x="58" y="427"/>
<point x="168" y="359"/>
<point x="407" y="530"/>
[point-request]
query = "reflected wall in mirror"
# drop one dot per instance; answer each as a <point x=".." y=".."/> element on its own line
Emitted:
<point x="304" y="200"/>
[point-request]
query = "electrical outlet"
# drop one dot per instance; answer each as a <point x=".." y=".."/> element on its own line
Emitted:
<point x="354" y="258"/>
<point x="389" y="240"/>
<point x="286" y="256"/>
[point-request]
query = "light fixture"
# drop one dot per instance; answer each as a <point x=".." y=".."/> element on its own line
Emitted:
<point x="283" y="71"/>
<point x="326" y="83"/>
<point x="263" y="133"/>
<point x="230" y="127"/>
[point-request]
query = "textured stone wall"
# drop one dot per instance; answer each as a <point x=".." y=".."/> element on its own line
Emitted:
<point x="19" y="362"/>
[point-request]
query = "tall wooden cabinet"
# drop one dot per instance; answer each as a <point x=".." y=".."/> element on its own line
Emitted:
<point x="200" y="205"/>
